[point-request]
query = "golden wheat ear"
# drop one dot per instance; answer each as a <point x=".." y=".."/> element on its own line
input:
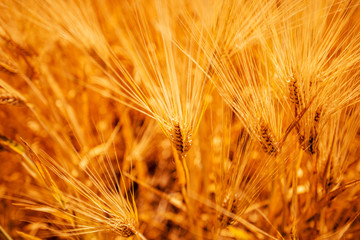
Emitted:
<point x="79" y="209"/>
<point x="182" y="141"/>
<point x="8" y="98"/>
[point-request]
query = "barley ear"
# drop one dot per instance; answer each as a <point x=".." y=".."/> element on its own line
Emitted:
<point x="182" y="142"/>
<point x="7" y="98"/>
<point x="267" y="139"/>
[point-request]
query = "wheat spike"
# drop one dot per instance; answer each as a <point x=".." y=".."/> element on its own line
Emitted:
<point x="254" y="110"/>
<point x="267" y="139"/>
<point x="181" y="142"/>
<point x="317" y="116"/>
<point x="295" y="95"/>
<point x="234" y="209"/>
<point x="125" y="230"/>
<point x="6" y="98"/>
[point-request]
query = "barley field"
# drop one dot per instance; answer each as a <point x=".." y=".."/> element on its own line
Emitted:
<point x="179" y="119"/>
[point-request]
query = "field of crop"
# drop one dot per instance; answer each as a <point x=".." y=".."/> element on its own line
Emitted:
<point x="179" y="119"/>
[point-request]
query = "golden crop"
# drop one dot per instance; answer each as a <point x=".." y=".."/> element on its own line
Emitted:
<point x="167" y="119"/>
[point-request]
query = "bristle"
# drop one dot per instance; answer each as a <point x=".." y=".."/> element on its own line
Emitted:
<point x="8" y="65"/>
<point x="167" y="119"/>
